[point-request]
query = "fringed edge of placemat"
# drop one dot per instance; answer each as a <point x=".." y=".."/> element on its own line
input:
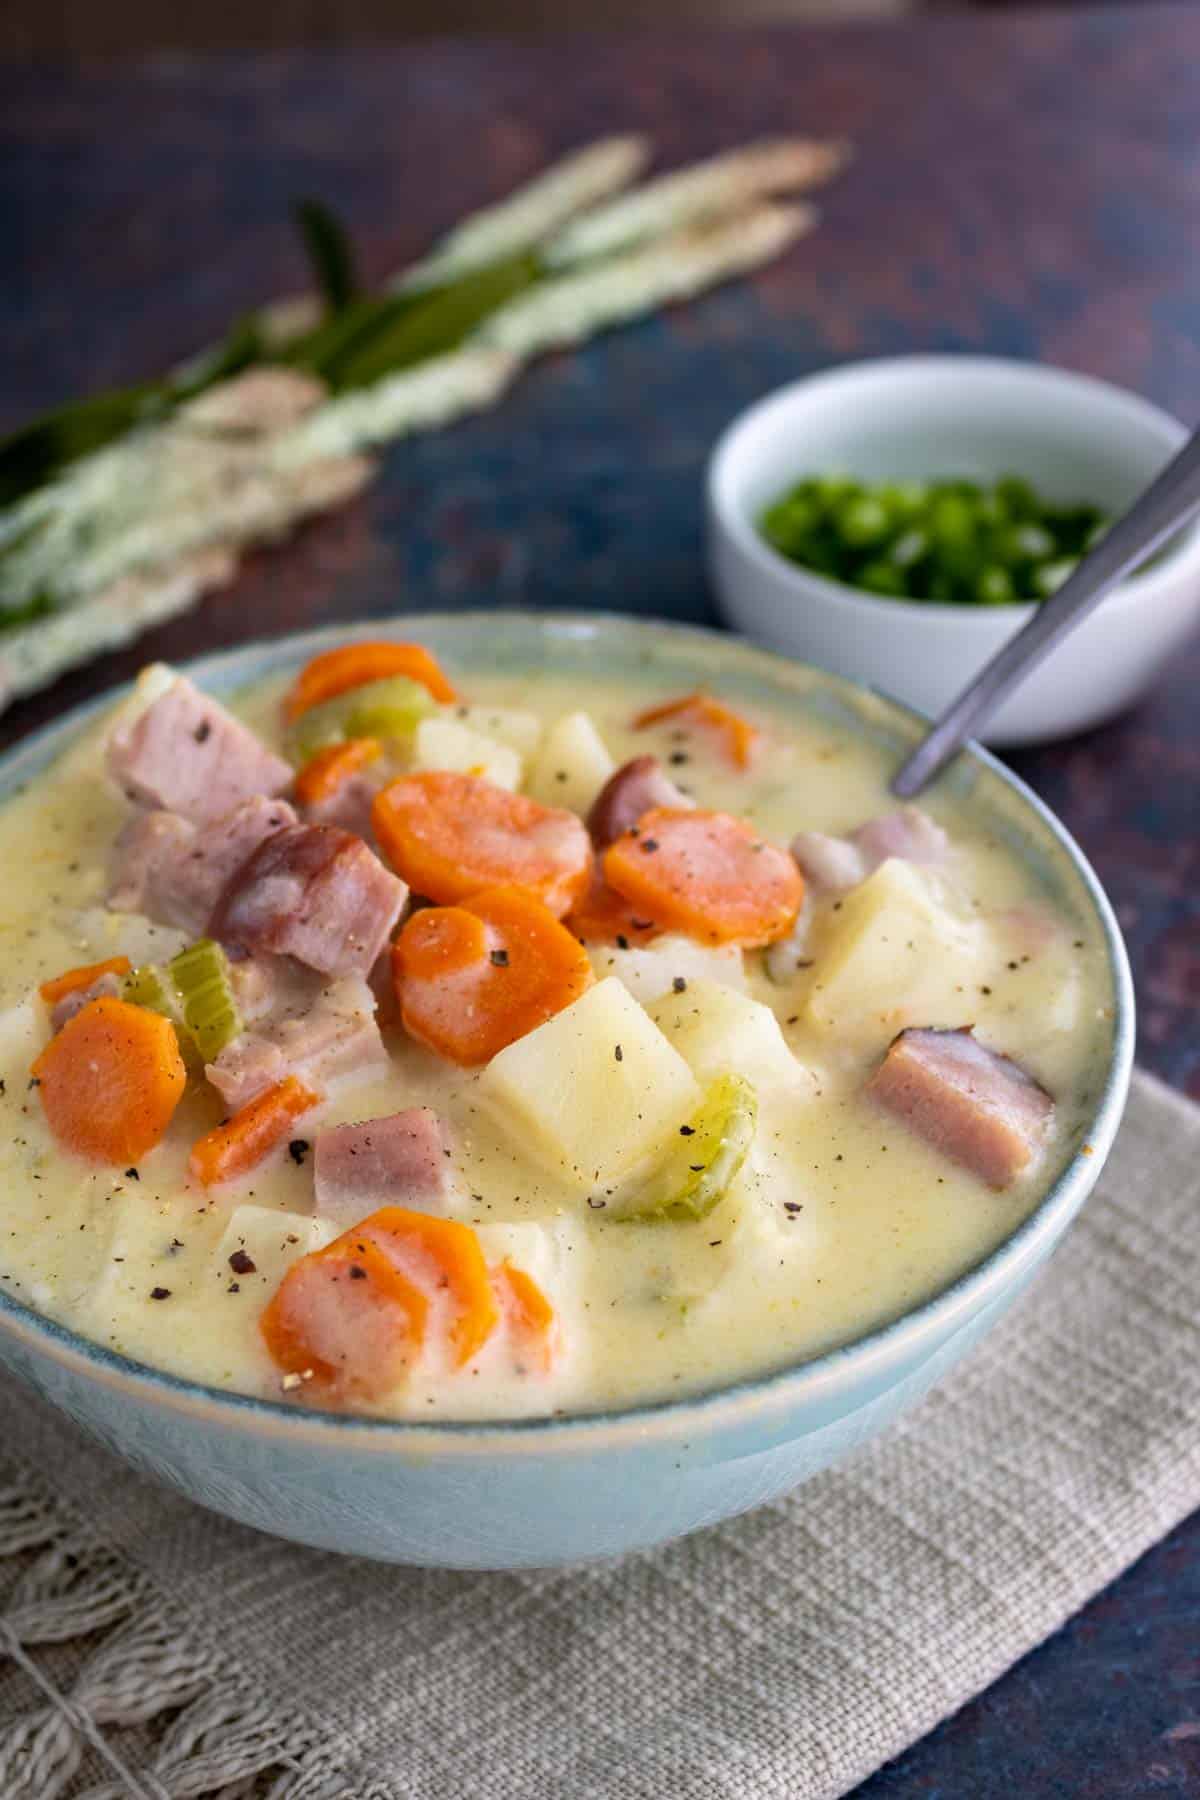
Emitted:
<point x="216" y="1733"/>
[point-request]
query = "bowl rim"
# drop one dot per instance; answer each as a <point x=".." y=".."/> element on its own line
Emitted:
<point x="984" y="621"/>
<point x="844" y="1365"/>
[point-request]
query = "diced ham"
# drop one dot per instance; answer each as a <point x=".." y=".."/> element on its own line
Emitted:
<point x="907" y="833"/>
<point x="175" y="872"/>
<point x="402" y="1160"/>
<point x="325" y="1039"/>
<point x="979" y="1108"/>
<point x="186" y="754"/>
<point x="349" y="806"/>
<point x="830" y="865"/>
<point x="105" y="987"/>
<point x="834" y="865"/>
<point x="315" y="893"/>
<point x="636" y="788"/>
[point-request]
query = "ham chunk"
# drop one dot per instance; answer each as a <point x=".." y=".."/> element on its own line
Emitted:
<point x="105" y="987"/>
<point x="175" y="872"/>
<point x="324" y="1039"/>
<point x="312" y="892"/>
<point x="186" y="754"/>
<point x="636" y="788"/>
<point x="973" y="1105"/>
<point x="349" y="806"/>
<point x="403" y="1160"/>
<point x="834" y="865"/>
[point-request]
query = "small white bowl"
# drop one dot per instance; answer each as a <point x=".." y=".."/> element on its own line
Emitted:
<point x="914" y="418"/>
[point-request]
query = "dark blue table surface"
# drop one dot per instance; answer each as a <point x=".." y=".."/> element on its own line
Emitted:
<point x="1028" y="185"/>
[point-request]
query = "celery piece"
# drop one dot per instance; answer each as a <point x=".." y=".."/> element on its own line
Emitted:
<point x="148" y="986"/>
<point x="704" y="1159"/>
<point x="387" y="709"/>
<point x="200" y="977"/>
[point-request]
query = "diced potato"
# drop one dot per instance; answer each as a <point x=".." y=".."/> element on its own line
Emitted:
<point x="572" y="764"/>
<point x="653" y="970"/>
<point x="718" y="1030"/>
<point x="595" y="1091"/>
<point x="521" y="731"/>
<point x="272" y="1239"/>
<point x="445" y="743"/>
<point x="893" y="955"/>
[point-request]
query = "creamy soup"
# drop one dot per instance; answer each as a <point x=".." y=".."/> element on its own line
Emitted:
<point x="752" y="1066"/>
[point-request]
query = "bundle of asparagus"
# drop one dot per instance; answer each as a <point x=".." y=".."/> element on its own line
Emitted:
<point x="121" y="510"/>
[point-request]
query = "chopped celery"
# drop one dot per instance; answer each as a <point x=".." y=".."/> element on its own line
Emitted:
<point x="148" y="986"/>
<point x="200" y="976"/>
<point x="704" y="1159"/>
<point x="387" y="709"/>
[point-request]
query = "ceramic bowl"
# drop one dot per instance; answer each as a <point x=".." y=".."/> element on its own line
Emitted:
<point x="918" y="418"/>
<point x="531" y="1493"/>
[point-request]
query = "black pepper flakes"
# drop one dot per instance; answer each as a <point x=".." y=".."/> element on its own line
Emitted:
<point x="357" y="1272"/>
<point x="499" y="959"/>
<point x="679" y="985"/>
<point x="618" y="1053"/>
<point x="649" y="845"/>
<point x="203" y="731"/>
<point x="241" y="1264"/>
<point x="130" y="1174"/>
<point x="622" y="941"/>
<point x="160" y="1293"/>
<point x="298" y="1150"/>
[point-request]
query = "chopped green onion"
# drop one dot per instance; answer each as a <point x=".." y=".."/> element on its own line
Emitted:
<point x="955" y="542"/>
<point x="702" y="1163"/>
<point x="200" y="975"/>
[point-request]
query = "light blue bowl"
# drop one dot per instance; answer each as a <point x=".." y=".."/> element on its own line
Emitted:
<point x="527" y="1493"/>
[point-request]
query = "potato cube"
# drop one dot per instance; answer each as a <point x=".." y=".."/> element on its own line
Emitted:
<point x="653" y="970"/>
<point x="271" y="1239"/>
<point x="521" y="731"/>
<point x="444" y="743"/>
<point x="572" y="764"/>
<point x="595" y="1091"/>
<point x="718" y="1030"/>
<point x="893" y="955"/>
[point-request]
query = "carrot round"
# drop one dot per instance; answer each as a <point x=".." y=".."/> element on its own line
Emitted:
<point x="738" y="736"/>
<point x="241" y="1142"/>
<point x="532" y="1319"/>
<point x="449" y="1255"/>
<point x="324" y="773"/>
<point x="72" y="981"/>
<point x="110" y="1081"/>
<point x="605" y="917"/>
<point x="472" y="978"/>
<point x="346" y="1318"/>
<point x="707" y="874"/>
<point x="450" y="835"/>
<point x="353" y="665"/>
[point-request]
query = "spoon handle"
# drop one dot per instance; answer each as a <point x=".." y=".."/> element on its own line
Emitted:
<point x="1163" y="507"/>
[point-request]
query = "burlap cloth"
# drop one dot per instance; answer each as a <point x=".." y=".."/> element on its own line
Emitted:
<point x="154" y="1650"/>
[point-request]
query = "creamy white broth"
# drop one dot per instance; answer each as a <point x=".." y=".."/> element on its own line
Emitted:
<point x="840" y="1220"/>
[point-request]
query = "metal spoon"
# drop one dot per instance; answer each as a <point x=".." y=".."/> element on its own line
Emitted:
<point x="1162" y="509"/>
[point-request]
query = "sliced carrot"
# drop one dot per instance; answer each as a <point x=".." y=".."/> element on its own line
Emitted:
<point x="707" y="874"/>
<point x="110" y="1081"/>
<point x="472" y="978"/>
<point x="450" y="835"/>
<point x="72" y="981"/>
<point x="450" y="1251"/>
<point x="324" y="773"/>
<point x="739" y="737"/>
<point x="534" y="1322"/>
<point x="346" y="1318"/>
<point x="353" y="665"/>
<point x="241" y="1142"/>
<point x="605" y="917"/>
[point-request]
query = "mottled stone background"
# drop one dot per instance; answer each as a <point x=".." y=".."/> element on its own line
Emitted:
<point x="1028" y="185"/>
